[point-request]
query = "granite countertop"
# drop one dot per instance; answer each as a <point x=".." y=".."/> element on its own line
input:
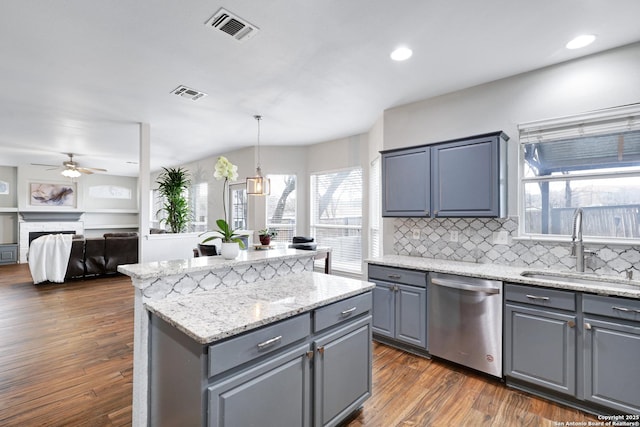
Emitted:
<point x="190" y="265"/>
<point x="605" y="285"/>
<point x="211" y="316"/>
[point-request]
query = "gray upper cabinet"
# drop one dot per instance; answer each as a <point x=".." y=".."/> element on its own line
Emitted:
<point x="468" y="177"/>
<point x="459" y="178"/>
<point x="406" y="183"/>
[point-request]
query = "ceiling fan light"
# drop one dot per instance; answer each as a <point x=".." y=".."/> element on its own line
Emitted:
<point x="70" y="173"/>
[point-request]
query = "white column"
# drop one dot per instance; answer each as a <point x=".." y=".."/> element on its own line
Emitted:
<point x="140" y="407"/>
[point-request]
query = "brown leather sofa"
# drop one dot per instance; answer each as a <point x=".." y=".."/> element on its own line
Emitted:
<point x="96" y="256"/>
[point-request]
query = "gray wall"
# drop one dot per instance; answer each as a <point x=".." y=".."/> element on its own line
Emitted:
<point x="596" y="82"/>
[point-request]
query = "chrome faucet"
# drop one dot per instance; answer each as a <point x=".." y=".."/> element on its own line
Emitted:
<point x="577" y="246"/>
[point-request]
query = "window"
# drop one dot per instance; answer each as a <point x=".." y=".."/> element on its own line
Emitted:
<point x="336" y="216"/>
<point x="238" y="204"/>
<point x="281" y="207"/>
<point x="588" y="162"/>
<point x="198" y="197"/>
<point x="374" y="209"/>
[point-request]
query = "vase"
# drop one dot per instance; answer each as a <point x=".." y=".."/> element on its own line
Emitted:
<point x="230" y="250"/>
<point x="265" y="239"/>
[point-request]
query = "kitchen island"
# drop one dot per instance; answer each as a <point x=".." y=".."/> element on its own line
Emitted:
<point x="214" y="341"/>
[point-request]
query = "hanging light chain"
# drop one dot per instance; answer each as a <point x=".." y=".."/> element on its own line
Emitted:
<point x="258" y="118"/>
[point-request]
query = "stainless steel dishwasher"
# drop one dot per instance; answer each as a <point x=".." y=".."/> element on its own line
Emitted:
<point x="465" y="321"/>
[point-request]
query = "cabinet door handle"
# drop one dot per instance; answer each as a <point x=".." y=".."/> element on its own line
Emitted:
<point x="587" y="326"/>
<point x="348" y="312"/>
<point x="394" y="276"/>
<point x="537" y="297"/>
<point x="426" y="213"/>
<point x="435" y="213"/>
<point x="321" y="350"/>
<point x="395" y="288"/>
<point x="621" y="308"/>
<point x="309" y="355"/>
<point x="269" y="342"/>
<point x="571" y="324"/>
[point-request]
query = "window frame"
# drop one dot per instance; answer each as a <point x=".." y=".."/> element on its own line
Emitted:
<point x="613" y="120"/>
<point x="336" y="265"/>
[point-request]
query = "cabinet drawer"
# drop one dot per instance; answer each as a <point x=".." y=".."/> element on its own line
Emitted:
<point x="620" y="308"/>
<point x="236" y="351"/>
<point x="398" y="275"/>
<point x="544" y="297"/>
<point x="341" y="311"/>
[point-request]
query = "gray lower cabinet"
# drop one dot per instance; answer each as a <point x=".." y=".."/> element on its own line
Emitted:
<point x="313" y="369"/>
<point x="273" y="393"/>
<point x="540" y="347"/>
<point x="342" y="374"/>
<point x="400" y="306"/>
<point x="8" y="253"/>
<point x="611" y="352"/>
<point x="572" y="344"/>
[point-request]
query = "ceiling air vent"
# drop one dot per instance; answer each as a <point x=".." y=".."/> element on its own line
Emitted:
<point x="187" y="92"/>
<point x="236" y="27"/>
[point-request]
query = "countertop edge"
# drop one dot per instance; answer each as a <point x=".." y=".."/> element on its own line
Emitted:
<point x="504" y="273"/>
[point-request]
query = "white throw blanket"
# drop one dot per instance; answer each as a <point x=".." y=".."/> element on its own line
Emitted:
<point x="49" y="257"/>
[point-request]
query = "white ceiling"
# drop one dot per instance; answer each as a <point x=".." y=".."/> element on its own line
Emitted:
<point x="78" y="75"/>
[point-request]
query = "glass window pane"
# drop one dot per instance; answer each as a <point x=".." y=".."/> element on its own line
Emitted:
<point x="611" y="206"/>
<point x="336" y="216"/>
<point x="238" y="197"/>
<point x="281" y="207"/>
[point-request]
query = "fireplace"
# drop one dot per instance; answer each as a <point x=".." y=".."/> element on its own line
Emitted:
<point x="36" y="224"/>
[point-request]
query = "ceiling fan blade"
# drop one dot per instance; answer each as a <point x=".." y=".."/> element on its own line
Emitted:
<point x="96" y="169"/>
<point x="84" y="170"/>
<point x="42" y="164"/>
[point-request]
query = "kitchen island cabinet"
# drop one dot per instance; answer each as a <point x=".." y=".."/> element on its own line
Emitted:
<point x="291" y="351"/>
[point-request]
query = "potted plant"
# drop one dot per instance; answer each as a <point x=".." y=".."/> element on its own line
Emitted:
<point x="172" y="185"/>
<point x="266" y="235"/>
<point x="231" y="241"/>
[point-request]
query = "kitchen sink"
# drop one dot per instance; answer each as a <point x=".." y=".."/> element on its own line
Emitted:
<point x="582" y="279"/>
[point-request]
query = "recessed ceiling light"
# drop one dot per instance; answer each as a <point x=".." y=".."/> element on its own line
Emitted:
<point x="581" y="41"/>
<point x="401" y="54"/>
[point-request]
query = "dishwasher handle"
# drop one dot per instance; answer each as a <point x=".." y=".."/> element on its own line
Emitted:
<point x="464" y="286"/>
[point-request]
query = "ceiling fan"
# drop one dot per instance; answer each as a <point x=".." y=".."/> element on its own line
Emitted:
<point x="71" y="169"/>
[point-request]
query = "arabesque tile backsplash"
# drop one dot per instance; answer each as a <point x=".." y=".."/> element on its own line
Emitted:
<point x="476" y="244"/>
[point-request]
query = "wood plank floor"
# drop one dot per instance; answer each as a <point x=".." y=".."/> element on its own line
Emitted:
<point x="66" y="360"/>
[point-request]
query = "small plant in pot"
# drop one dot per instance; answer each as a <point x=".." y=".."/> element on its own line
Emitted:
<point x="266" y="235"/>
<point x="231" y="241"/>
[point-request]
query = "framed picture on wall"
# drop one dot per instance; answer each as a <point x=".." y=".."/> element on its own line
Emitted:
<point x="52" y="194"/>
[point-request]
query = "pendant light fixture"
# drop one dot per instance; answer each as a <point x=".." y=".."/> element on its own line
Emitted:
<point x="258" y="185"/>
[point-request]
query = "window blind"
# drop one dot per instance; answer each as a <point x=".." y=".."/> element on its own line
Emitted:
<point x="336" y="216"/>
<point x="374" y="209"/>
<point x="611" y="120"/>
